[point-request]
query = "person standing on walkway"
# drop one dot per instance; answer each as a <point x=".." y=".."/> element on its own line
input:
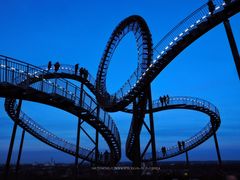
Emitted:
<point x="183" y="144"/>
<point x="179" y="146"/>
<point x="76" y="69"/>
<point x="161" y="100"/>
<point x="49" y="65"/>
<point x="211" y="6"/>
<point x="56" y="66"/>
<point x="167" y="99"/>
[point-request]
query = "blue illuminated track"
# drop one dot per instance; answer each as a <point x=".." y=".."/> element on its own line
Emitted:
<point x="20" y="80"/>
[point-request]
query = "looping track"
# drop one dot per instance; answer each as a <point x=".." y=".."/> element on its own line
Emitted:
<point x="24" y="81"/>
<point x="143" y="37"/>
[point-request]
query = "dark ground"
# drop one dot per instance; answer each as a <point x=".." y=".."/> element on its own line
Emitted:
<point x="167" y="170"/>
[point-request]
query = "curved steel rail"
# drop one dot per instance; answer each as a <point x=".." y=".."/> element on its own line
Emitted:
<point x="179" y="38"/>
<point x="138" y="26"/>
<point x="67" y="71"/>
<point x="24" y="81"/>
<point x="190" y="103"/>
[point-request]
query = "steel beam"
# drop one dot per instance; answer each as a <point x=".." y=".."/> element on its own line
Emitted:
<point x="20" y="151"/>
<point x="233" y="45"/>
<point x="153" y="143"/>
<point x="78" y="133"/>
<point x="187" y="159"/>
<point x="137" y="150"/>
<point x="216" y="143"/>
<point x="9" y="156"/>
<point x="96" y="137"/>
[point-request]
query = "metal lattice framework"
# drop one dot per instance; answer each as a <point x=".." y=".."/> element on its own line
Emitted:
<point x="20" y="80"/>
<point x="30" y="83"/>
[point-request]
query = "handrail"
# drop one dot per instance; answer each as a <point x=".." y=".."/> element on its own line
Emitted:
<point x="183" y="102"/>
<point x="176" y="100"/>
<point x="187" y="24"/>
<point x="70" y="69"/>
<point x="21" y="74"/>
<point x="128" y="90"/>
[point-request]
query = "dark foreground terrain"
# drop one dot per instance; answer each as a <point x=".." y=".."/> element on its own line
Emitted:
<point x="167" y="170"/>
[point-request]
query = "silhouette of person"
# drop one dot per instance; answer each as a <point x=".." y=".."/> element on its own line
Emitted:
<point x="183" y="144"/>
<point x="56" y="66"/>
<point x="81" y="72"/>
<point x="161" y="100"/>
<point x="49" y="65"/>
<point x="164" y="151"/>
<point x="179" y="146"/>
<point x="167" y="99"/>
<point x="211" y="6"/>
<point x="85" y="74"/>
<point x="76" y="69"/>
<point x="106" y="156"/>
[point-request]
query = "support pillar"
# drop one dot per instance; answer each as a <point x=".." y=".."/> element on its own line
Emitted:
<point x="20" y="151"/>
<point x="9" y="156"/>
<point x="153" y="143"/>
<point x="233" y="45"/>
<point x="187" y="160"/>
<point x="78" y="133"/>
<point x="96" y="138"/>
<point x="216" y="143"/>
<point x="136" y="151"/>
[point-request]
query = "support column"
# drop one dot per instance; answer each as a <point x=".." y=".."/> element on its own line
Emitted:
<point x="7" y="165"/>
<point x="78" y="133"/>
<point x="20" y="151"/>
<point x="153" y="143"/>
<point x="136" y="151"/>
<point x="187" y="160"/>
<point x="96" y="138"/>
<point x="233" y="45"/>
<point x="216" y="143"/>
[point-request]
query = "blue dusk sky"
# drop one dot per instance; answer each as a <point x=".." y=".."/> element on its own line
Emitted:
<point x="77" y="31"/>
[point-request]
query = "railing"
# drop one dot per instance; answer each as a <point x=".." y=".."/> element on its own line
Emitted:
<point x="167" y="42"/>
<point x="189" y="143"/>
<point x="185" y="26"/>
<point x="70" y="69"/>
<point x="182" y="100"/>
<point x="50" y="137"/>
<point x="197" y="138"/>
<point x="16" y="72"/>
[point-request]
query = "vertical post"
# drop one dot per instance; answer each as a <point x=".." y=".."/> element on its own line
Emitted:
<point x="137" y="153"/>
<point x="216" y="143"/>
<point x="96" y="138"/>
<point x="20" y="151"/>
<point x="233" y="45"/>
<point x="137" y="150"/>
<point x="78" y="133"/>
<point x="153" y="143"/>
<point x="27" y="84"/>
<point x="7" y="165"/>
<point x="6" y="64"/>
<point x="187" y="160"/>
